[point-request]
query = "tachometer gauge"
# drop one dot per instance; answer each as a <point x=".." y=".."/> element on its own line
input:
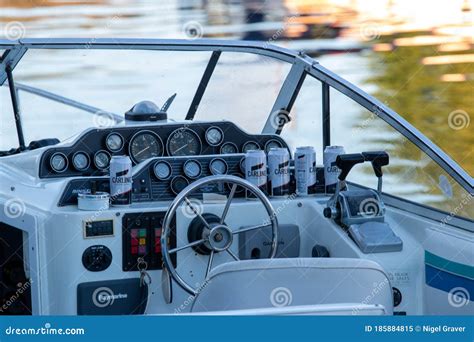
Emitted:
<point x="214" y="136"/>
<point x="184" y="142"/>
<point x="58" y="162"/>
<point x="178" y="183"/>
<point x="250" y="145"/>
<point x="192" y="168"/>
<point x="229" y="148"/>
<point x="272" y="143"/>
<point x="80" y="161"/>
<point x="145" y="145"/>
<point x="218" y="166"/>
<point x="114" y="142"/>
<point x="102" y="159"/>
<point x="162" y="170"/>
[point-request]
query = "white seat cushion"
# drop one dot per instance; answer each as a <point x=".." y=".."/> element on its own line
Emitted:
<point x="266" y="283"/>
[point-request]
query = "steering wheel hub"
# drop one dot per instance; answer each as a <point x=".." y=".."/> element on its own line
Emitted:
<point x="220" y="238"/>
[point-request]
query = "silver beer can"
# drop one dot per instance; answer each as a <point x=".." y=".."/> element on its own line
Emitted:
<point x="120" y="180"/>
<point x="305" y="170"/>
<point x="279" y="171"/>
<point x="256" y="168"/>
<point x="331" y="171"/>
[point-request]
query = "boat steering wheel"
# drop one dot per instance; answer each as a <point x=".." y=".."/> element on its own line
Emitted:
<point x="214" y="235"/>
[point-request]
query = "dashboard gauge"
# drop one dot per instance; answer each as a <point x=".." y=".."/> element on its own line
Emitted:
<point x="214" y="136"/>
<point x="239" y="189"/>
<point x="145" y="145"/>
<point x="250" y="145"/>
<point x="114" y="142"/>
<point x="184" y="142"/>
<point x="178" y="183"/>
<point x="58" y="162"/>
<point x="192" y="169"/>
<point x="162" y="170"/>
<point x="229" y="148"/>
<point x="272" y="143"/>
<point x="102" y="159"/>
<point x="80" y="161"/>
<point x="242" y="165"/>
<point x="218" y="166"/>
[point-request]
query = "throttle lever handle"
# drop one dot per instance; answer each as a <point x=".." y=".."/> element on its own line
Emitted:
<point x="377" y="159"/>
<point x="345" y="162"/>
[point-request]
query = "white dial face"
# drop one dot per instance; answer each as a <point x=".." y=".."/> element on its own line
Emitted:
<point x="162" y="170"/>
<point x="114" y="142"/>
<point x="218" y="167"/>
<point x="192" y="169"/>
<point x="102" y="160"/>
<point x="214" y="136"/>
<point x="80" y="161"/>
<point x="58" y="162"/>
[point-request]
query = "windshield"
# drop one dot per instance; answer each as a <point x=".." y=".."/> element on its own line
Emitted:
<point x="242" y="89"/>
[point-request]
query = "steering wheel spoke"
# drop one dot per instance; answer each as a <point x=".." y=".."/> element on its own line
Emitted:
<point x="196" y="212"/>
<point x="227" y="204"/>
<point x="248" y="229"/>
<point x="232" y="254"/>
<point x="192" y="244"/>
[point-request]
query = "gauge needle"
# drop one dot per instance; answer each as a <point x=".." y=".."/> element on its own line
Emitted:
<point x="146" y="148"/>
<point x="179" y="149"/>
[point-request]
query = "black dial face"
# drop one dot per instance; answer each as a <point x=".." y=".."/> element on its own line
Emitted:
<point x="102" y="160"/>
<point x="272" y="144"/>
<point x="184" y="142"/>
<point x="145" y="145"/>
<point x="178" y="183"/>
<point x="229" y="148"/>
<point x="251" y="145"/>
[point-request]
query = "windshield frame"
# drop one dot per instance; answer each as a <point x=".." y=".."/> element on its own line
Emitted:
<point x="302" y="65"/>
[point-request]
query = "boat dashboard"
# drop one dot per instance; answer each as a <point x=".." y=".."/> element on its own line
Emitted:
<point x="90" y="154"/>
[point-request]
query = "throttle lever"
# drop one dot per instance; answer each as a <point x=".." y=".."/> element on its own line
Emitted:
<point x="345" y="162"/>
<point x="377" y="159"/>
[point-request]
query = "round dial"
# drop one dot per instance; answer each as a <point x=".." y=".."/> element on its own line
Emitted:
<point x="178" y="183"/>
<point x="272" y="144"/>
<point x="114" y="142"/>
<point x="184" y="142"/>
<point x="192" y="168"/>
<point x="102" y="160"/>
<point x="242" y="165"/>
<point x="229" y="148"/>
<point x="214" y="136"/>
<point x="251" y="145"/>
<point x="81" y="161"/>
<point x="162" y="170"/>
<point x="218" y="166"/>
<point x="144" y="145"/>
<point x="58" y="162"/>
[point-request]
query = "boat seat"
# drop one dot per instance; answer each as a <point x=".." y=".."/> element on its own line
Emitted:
<point x="275" y="283"/>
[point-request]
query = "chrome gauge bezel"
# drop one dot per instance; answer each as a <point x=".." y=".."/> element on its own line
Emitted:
<point x="227" y="144"/>
<point x="183" y="129"/>
<point x="165" y="163"/>
<point x="108" y="156"/>
<point x="121" y="145"/>
<point x="195" y="162"/>
<point x="217" y="160"/>
<point x="267" y="149"/>
<point x="207" y="139"/>
<point x="74" y="158"/>
<point x="251" y="142"/>
<point x="173" y="180"/>
<point x="158" y="138"/>
<point x="66" y="164"/>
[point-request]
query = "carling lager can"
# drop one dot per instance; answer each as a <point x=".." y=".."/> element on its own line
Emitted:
<point x="256" y="169"/>
<point x="331" y="171"/>
<point x="120" y="180"/>
<point x="279" y="171"/>
<point x="305" y="170"/>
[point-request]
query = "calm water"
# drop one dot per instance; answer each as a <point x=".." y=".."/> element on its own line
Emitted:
<point x="420" y="65"/>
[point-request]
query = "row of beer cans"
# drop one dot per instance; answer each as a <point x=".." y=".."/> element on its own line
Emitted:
<point x="271" y="173"/>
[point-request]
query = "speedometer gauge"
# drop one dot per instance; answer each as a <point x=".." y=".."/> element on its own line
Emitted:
<point x="184" y="142"/>
<point x="192" y="169"/>
<point x="145" y="145"/>
<point x="214" y="136"/>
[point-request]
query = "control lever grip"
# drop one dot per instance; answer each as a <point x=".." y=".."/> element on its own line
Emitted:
<point x="378" y="159"/>
<point x="345" y="162"/>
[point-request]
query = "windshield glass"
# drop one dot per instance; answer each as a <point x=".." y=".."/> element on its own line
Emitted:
<point x="242" y="88"/>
